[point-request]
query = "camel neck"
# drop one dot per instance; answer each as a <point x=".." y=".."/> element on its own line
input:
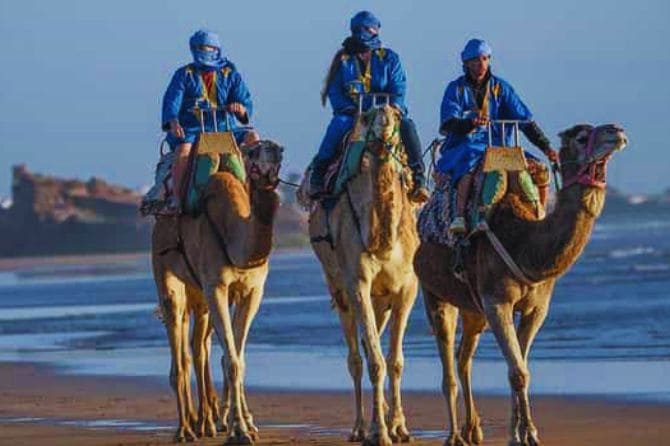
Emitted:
<point x="550" y="247"/>
<point x="243" y="218"/>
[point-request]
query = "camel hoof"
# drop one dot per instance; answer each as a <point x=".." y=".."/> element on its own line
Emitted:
<point x="455" y="440"/>
<point x="254" y="435"/>
<point x="206" y="429"/>
<point x="357" y="436"/>
<point x="211" y="430"/>
<point x="400" y="434"/>
<point x="472" y="434"/>
<point x="377" y="439"/>
<point x="533" y="441"/>
<point x="184" y="434"/>
<point x="239" y="438"/>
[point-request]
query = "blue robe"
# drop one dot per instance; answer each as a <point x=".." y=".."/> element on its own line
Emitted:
<point x="386" y="76"/>
<point x="460" y="154"/>
<point x="186" y="88"/>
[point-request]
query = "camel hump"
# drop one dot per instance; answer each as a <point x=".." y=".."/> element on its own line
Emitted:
<point x="227" y="189"/>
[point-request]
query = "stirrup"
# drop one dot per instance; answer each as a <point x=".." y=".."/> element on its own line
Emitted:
<point x="457" y="226"/>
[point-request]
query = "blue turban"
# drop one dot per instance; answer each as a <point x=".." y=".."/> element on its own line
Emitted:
<point x="358" y="26"/>
<point x="475" y="48"/>
<point x="206" y="60"/>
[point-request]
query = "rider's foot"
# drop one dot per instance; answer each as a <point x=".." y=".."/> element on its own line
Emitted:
<point x="419" y="195"/>
<point x="457" y="226"/>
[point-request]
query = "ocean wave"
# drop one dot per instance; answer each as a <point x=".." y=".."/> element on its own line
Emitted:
<point x="631" y="252"/>
<point x="651" y="268"/>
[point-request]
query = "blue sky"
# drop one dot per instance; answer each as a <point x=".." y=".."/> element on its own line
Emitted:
<point x="82" y="81"/>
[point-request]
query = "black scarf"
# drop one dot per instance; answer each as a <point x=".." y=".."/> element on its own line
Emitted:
<point x="354" y="46"/>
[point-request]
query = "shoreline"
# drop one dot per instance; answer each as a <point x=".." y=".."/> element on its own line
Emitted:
<point x="140" y="410"/>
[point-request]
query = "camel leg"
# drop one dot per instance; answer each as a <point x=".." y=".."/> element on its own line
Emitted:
<point x="173" y="303"/>
<point x="244" y="315"/>
<point x="210" y="388"/>
<point x="187" y="363"/>
<point x="359" y="296"/>
<point x="382" y="317"/>
<point x="445" y="321"/>
<point x="402" y="306"/>
<point x="529" y="325"/>
<point x="473" y="325"/>
<point x="355" y="366"/>
<point x="225" y="401"/>
<point x="206" y="424"/>
<point x="217" y="299"/>
<point x="500" y="318"/>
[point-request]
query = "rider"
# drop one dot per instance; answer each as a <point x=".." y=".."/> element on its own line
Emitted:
<point x="364" y="66"/>
<point x="210" y="81"/>
<point x="469" y="103"/>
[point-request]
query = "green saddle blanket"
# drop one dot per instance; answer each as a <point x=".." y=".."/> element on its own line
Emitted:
<point x="349" y="165"/>
<point x="203" y="167"/>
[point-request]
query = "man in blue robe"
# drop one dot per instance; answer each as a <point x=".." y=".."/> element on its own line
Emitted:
<point x="363" y="65"/>
<point x="469" y="103"/>
<point x="211" y="81"/>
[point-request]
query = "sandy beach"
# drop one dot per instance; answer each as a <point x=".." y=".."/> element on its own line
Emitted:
<point x="40" y="406"/>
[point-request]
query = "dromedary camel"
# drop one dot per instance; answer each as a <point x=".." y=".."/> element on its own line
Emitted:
<point x="365" y="245"/>
<point x="206" y="265"/>
<point x="543" y="250"/>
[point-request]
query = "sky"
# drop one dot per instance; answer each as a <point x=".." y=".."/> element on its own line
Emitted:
<point x="81" y="82"/>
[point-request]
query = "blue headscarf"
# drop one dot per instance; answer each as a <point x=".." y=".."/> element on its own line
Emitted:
<point x="359" y="24"/>
<point x="475" y="48"/>
<point x="206" y="60"/>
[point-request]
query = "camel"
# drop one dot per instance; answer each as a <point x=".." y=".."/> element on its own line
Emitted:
<point x="365" y="245"/>
<point x="206" y="264"/>
<point x="543" y="251"/>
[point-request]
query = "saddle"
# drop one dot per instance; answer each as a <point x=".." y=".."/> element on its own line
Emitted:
<point x="505" y="179"/>
<point x="213" y="152"/>
<point x="345" y="165"/>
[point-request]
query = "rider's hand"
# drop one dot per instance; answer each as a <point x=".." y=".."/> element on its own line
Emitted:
<point x="480" y="121"/>
<point x="237" y="108"/>
<point x="552" y="155"/>
<point x="176" y="129"/>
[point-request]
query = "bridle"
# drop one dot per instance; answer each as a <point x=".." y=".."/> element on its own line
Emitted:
<point x="586" y="174"/>
<point x="255" y="172"/>
<point x="385" y="150"/>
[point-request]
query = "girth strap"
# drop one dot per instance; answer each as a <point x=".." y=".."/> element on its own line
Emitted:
<point x="180" y="249"/>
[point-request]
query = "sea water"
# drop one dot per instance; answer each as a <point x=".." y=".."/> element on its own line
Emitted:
<point x="607" y="332"/>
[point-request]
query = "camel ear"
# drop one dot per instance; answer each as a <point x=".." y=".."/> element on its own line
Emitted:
<point x="572" y="131"/>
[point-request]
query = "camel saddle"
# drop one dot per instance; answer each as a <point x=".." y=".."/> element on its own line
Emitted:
<point x="213" y="152"/>
<point x="505" y="178"/>
<point x="346" y="163"/>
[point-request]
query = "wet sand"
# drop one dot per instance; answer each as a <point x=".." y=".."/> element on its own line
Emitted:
<point x="74" y="410"/>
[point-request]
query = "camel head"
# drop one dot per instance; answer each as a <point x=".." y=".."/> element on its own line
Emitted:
<point x="585" y="151"/>
<point x="385" y="124"/>
<point x="262" y="162"/>
<point x="382" y="126"/>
